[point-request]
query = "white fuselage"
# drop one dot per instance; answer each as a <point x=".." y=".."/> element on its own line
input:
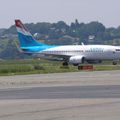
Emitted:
<point x="90" y="52"/>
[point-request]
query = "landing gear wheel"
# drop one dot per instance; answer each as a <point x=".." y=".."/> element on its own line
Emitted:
<point x="65" y="64"/>
<point x="79" y="67"/>
<point x="114" y="63"/>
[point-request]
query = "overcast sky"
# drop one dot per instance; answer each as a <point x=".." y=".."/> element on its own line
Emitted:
<point x="105" y="11"/>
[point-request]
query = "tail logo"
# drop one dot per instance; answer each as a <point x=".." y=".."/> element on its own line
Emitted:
<point x="21" y="28"/>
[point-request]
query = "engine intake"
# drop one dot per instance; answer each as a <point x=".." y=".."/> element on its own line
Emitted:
<point x="76" y="59"/>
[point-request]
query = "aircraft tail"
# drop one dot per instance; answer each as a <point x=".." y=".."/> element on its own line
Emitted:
<point x="25" y="37"/>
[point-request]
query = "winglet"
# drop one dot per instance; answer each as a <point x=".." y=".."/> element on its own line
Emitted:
<point x="82" y="43"/>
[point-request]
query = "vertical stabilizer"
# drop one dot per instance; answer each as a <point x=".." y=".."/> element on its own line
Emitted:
<point x="25" y="37"/>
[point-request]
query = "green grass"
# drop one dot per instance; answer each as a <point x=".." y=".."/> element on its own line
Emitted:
<point x="15" y="67"/>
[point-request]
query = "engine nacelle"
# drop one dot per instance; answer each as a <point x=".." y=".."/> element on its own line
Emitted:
<point x="76" y="60"/>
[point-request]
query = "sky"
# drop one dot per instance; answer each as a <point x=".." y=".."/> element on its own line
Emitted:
<point x="33" y="11"/>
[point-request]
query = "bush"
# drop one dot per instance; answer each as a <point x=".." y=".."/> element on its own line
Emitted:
<point x="38" y="67"/>
<point x="64" y="67"/>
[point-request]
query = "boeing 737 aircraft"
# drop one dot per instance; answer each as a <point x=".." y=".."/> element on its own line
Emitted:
<point x="69" y="54"/>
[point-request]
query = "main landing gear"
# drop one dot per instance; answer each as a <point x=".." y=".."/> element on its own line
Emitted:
<point x="114" y="62"/>
<point x="65" y="63"/>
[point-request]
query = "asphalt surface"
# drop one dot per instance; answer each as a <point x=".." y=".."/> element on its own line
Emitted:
<point x="61" y="96"/>
<point x="61" y="92"/>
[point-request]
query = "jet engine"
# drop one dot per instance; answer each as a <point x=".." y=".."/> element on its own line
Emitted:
<point x="76" y="60"/>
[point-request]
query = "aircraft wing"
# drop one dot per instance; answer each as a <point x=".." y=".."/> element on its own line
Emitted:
<point x="54" y="57"/>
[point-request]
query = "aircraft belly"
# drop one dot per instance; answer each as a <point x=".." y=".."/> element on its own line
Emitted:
<point x="99" y="56"/>
<point x="92" y="56"/>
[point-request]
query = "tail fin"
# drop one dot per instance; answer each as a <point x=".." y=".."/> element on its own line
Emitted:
<point x="25" y="37"/>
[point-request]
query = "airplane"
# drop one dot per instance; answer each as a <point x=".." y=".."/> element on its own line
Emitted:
<point x="69" y="54"/>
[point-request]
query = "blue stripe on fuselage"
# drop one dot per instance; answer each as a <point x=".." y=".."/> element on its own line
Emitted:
<point x="34" y="49"/>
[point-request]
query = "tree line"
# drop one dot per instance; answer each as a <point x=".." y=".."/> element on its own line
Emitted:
<point x="60" y="32"/>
